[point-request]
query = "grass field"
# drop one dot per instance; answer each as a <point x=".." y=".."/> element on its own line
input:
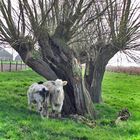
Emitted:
<point x="17" y="123"/>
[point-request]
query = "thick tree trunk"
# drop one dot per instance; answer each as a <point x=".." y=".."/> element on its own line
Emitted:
<point x="96" y="72"/>
<point x="79" y="98"/>
<point x="62" y="62"/>
<point x="82" y="98"/>
<point x="89" y="69"/>
<point x="95" y="89"/>
<point x="25" y="51"/>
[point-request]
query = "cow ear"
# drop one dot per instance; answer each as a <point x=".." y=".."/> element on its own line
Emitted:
<point x="65" y="83"/>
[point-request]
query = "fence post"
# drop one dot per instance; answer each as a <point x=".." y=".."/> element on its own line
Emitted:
<point x="10" y="64"/>
<point x="16" y="65"/>
<point x="21" y="65"/>
<point x="1" y="65"/>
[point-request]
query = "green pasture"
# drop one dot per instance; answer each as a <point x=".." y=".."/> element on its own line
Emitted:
<point x="18" y="123"/>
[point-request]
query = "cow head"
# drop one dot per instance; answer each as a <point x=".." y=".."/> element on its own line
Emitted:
<point x="59" y="85"/>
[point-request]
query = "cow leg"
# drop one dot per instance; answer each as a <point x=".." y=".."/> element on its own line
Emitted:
<point x="44" y="112"/>
<point x="59" y="115"/>
<point x="53" y="113"/>
<point x="41" y="114"/>
<point x="39" y="107"/>
<point x="59" y="110"/>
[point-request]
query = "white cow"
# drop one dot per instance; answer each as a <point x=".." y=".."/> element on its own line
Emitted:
<point x="56" y="95"/>
<point x="38" y="94"/>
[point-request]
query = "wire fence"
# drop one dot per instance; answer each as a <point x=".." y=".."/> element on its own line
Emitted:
<point x="9" y="65"/>
<point x="121" y="69"/>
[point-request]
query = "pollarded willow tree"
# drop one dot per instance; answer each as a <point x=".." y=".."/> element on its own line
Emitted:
<point x="52" y="25"/>
<point x="118" y="29"/>
<point x="58" y="28"/>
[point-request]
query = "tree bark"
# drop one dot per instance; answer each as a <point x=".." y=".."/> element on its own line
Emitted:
<point x="82" y="97"/>
<point x="95" y="89"/>
<point x="96" y="71"/>
<point x="89" y="69"/>
<point x="25" y="51"/>
<point x="64" y="64"/>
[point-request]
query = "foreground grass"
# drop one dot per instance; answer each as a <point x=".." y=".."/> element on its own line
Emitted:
<point x="17" y="123"/>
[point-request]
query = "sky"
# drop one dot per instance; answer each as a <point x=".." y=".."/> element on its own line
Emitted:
<point x="120" y="59"/>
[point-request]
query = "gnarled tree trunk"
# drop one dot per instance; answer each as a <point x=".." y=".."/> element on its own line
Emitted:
<point x="95" y="88"/>
<point x="65" y="65"/>
<point x="96" y="72"/>
<point x="59" y="63"/>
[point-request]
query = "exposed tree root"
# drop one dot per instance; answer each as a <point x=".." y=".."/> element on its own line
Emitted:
<point x="84" y="120"/>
